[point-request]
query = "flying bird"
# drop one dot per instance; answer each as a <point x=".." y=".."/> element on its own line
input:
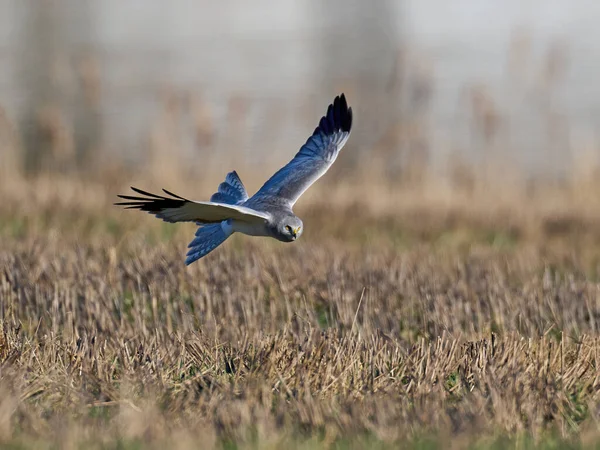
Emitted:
<point x="266" y="213"/>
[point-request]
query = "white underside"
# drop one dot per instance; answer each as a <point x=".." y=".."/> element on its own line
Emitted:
<point x="251" y="229"/>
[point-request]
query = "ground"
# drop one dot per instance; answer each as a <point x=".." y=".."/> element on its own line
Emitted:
<point x="411" y="324"/>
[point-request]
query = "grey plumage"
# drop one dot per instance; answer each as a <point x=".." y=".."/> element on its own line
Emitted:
<point x="231" y="191"/>
<point x="269" y="211"/>
<point x="208" y="237"/>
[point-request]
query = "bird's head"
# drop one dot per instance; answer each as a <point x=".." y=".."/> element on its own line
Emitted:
<point x="290" y="229"/>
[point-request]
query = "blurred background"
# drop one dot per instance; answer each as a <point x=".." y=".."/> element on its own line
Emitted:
<point x="458" y="95"/>
<point x="449" y="273"/>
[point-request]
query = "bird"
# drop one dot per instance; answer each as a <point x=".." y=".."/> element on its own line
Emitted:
<point x="269" y="211"/>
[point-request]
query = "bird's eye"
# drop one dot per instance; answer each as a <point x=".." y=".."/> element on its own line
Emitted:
<point x="288" y="228"/>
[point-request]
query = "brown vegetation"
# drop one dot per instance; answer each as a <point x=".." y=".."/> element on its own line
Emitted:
<point x="378" y="326"/>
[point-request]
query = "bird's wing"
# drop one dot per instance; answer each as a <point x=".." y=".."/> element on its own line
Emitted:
<point x="231" y="191"/>
<point x="179" y="209"/>
<point x="314" y="158"/>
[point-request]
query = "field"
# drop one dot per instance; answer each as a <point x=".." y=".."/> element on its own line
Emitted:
<point x="430" y="318"/>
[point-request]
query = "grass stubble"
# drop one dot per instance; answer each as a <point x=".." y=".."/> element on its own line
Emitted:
<point x="417" y="327"/>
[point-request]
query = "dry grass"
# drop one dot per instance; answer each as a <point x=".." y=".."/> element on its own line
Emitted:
<point x="399" y="327"/>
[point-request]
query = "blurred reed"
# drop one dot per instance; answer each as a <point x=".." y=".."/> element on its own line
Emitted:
<point x="190" y="144"/>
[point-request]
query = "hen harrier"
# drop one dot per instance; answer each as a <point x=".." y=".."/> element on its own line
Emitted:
<point x="269" y="211"/>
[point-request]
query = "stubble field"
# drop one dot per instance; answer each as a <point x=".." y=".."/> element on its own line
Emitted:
<point x="410" y="323"/>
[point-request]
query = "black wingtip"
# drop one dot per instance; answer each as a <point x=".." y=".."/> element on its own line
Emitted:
<point x="150" y="202"/>
<point x="338" y="117"/>
<point x="178" y="197"/>
<point x="347" y="125"/>
<point x="344" y="113"/>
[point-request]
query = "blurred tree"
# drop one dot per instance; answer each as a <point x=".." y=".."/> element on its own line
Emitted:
<point x="59" y="120"/>
<point x="36" y="56"/>
<point x="358" y="47"/>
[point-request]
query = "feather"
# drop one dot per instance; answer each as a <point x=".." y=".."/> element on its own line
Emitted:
<point x="314" y="158"/>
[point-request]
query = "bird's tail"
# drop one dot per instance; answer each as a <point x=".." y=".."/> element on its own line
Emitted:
<point x="208" y="237"/>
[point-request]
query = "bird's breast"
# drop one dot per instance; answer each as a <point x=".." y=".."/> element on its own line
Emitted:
<point x="246" y="228"/>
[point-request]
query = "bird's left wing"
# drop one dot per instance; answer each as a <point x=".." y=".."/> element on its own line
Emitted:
<point x="179" y="209"/>
<point x="314" y="158"/>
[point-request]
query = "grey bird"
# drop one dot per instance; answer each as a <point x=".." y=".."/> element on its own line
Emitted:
<point x="269" y="211"/>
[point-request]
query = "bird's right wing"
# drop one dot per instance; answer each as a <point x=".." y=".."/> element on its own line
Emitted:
<point x="179" y="209"/>
<point x="314" y="158"/>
